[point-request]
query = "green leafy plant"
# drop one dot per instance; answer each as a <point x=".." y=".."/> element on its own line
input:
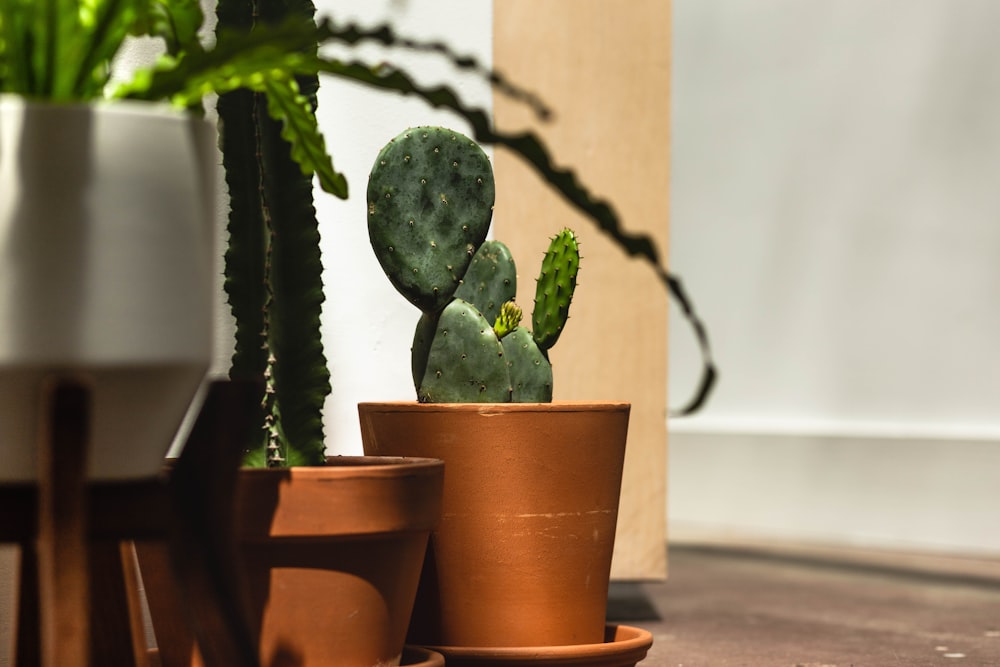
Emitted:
<point x="266" y="58"/>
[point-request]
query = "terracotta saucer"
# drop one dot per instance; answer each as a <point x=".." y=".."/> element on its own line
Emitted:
<point x="418" y="656"/>
<point x="623" y="646"/>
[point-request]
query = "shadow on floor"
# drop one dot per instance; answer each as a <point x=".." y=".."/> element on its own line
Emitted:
<point x="627" y="601"/>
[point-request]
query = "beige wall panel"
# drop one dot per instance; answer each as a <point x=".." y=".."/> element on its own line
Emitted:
<point x="604" y="67"/>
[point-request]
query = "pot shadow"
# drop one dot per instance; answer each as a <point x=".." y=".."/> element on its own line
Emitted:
<point x="285" y="656"/>
<point x="628" y="601"/>
<point x="258" y="507"/>
<point x="425" y="621"/>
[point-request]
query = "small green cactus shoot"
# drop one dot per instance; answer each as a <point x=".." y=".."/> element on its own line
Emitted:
<point x="554" y="289"/>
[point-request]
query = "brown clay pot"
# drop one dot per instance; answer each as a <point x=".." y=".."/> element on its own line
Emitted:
<point x="330" y="557"/>
<point x="522" y="555"/>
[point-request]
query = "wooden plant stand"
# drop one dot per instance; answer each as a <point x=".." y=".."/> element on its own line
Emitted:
<point x="78" y="601"/>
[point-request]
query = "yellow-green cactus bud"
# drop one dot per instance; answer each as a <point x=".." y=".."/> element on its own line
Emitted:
<point x="508" y="319"/>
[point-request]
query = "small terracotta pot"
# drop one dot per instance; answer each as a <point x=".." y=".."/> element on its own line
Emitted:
<point x="330" y="556"/>
<point x="522" y="556"/>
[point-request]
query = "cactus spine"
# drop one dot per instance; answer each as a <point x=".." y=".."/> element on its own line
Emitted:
<point x="430" y="203"/>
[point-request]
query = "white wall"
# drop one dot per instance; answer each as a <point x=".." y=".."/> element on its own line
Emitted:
<point x="835" y="216"/>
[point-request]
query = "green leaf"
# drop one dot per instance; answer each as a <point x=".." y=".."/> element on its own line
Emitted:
<point x="265" y="60"/>
<point x="384" y="35"/>
<point x="239" y="59"/>
<point x="104" y="25"/>
<point x="177" y="22"/>
<point x="300" y="129"/>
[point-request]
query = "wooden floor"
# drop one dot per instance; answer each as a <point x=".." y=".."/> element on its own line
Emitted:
<point x="722" y="607"/>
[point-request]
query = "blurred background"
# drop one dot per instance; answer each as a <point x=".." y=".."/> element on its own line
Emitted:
<point x="836" y="217"/>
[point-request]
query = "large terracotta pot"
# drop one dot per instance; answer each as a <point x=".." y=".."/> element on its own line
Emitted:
<point x="330" y="556"/>
<point x="106" y="272"/>
<point x="522" y="556"/>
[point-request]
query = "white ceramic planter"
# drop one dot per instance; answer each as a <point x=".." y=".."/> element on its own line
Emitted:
<point x="105" y="271"/>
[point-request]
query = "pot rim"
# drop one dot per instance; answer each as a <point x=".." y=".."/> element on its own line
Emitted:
<point x="339" y="467"/>
<point x="489" y="409"/>
<point x="157" y="108"/>
<point x="339" y="501"/>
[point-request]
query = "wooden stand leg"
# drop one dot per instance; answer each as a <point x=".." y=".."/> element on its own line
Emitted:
<point x="78" y="602"/>
<point x="116" y="632"/>
<point x="27" y="640"/>
<point x="62" y="526"/>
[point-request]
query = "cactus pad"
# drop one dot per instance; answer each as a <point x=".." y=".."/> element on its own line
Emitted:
<point x="430" y="202"/>
<point x="530" y="371"/>
<point x="554" y="289"/>
<point x="465" y="362"/>
<point x="490" y="281"/>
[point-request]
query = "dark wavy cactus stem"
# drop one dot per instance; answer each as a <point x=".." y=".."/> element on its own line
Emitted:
<point x="273" y="266"/>
<point x="430" y="203"/>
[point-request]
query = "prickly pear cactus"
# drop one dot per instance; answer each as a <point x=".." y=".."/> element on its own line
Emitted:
<point x="430" y="202"/>
<point x="554" y="289"/>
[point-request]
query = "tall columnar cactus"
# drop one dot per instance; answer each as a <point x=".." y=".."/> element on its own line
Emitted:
<point x="273" y="266"/>
<point x="430" y="202"/>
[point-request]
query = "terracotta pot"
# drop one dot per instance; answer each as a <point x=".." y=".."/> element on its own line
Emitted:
<point x="106" y="235"/>
<point x="331" y="557"/>
<point x="522" y="555"/>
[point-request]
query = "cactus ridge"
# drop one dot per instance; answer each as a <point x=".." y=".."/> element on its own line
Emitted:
<point x="529" y="368"/>
<point x="490" y="281"/>
<point x="430" y="202"/>
<point x="554" y="288"/>
<point x="465" y="361"/>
